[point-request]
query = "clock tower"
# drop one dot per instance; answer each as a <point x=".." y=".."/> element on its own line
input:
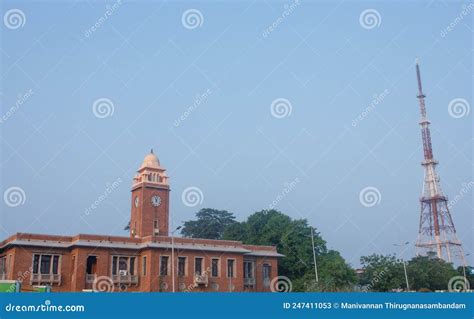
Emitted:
<point x="150" y="199"/>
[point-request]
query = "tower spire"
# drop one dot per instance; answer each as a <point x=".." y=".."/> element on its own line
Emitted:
<point x="436" y="232"/>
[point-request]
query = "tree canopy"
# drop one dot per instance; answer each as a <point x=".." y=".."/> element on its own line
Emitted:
<point x="425" y="273"/>
<point x="292" y="237"/>
<point x="382" y="273"/>
<point x="210" y="224"/>
<point x="430" y="273"/>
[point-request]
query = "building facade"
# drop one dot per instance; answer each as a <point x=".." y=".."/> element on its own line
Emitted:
<point x="149" y="260"/>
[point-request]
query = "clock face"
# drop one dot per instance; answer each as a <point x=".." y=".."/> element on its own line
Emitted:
<point x="156" y="200"/>
<point x="136" y="201"/>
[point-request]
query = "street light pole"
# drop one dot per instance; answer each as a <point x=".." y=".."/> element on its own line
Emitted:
<point x="406" y="276"/>
<point x="314" y="255"/>
<point x="404" y="265"/>
<point x="464" y="270"/>
<point x="172" y="257"/>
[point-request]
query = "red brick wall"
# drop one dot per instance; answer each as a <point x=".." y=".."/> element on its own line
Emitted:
<point x="144" y="215"/>
<point x="74" y="275"/>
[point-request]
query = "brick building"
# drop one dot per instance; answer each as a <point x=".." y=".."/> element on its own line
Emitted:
<point x="149" y="260"/>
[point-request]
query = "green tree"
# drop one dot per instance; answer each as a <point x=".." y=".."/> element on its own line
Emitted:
<point x="430" y="273"/>
<point x="382" y="273"/>
<point x="333" y="272"/>
<point x="469" y="271"/>
<point x="210" y="224"/>
<point x="293" y="239"/>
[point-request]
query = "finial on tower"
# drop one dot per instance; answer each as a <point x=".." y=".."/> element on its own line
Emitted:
<point x="418" y="78"/>
<point x="151" y="151"/>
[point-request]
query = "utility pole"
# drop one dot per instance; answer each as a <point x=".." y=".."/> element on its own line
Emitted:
<point x="404" y="265"/>
<point x="314" y="255"/>
<point x="172" y="256"/>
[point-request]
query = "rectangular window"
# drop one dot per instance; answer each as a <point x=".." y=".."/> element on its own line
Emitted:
<point x="164" y="266"/>
<point x="46" y="264"/>
<point x="144" y="266"/>
<point x="36" y="259"/>
<point x="181" y="266"/>
<point x="55" y="264"/>
<point x="123" y="265"/>
<point x="3" y="265"/>
<point x="114" y="265"/>
<point x="215" y="267"/>
<point x="132" y="265"/>
<point x="248" y="269"/>
<point x="198" y="265"/>
<point x="267" y="272"/>
<point x="230" y="268"/>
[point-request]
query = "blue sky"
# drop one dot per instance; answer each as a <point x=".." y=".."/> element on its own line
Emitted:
<point x="150" y="65"/>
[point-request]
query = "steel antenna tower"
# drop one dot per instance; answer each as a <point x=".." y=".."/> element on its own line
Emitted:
<point x="437" y="232"/>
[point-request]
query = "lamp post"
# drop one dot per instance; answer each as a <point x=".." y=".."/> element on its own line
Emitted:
<point x="464" y="269"/>
<point x="314" y="255"/>
<point x="404" y="265"/>
<point x="172" y="256"/>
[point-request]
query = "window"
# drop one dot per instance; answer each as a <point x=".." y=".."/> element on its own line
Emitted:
<point x="164" y="265"/>
<point x="215" y="267"/>
<point x="3" y="265"/>
<point x="123" y="265"/>
<point x="248" y="269"/>
<point x="144" y="266"/>
<point x="114" y="266"/>
<point x="198" y="265"/>
<point x="181" y="266"/>
<point x="45" y="264"/>
<point x="267" y="272"/>
<point x="230" y="268"/>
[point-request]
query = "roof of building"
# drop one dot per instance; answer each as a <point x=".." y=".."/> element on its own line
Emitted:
<point x="117" y="242"/>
